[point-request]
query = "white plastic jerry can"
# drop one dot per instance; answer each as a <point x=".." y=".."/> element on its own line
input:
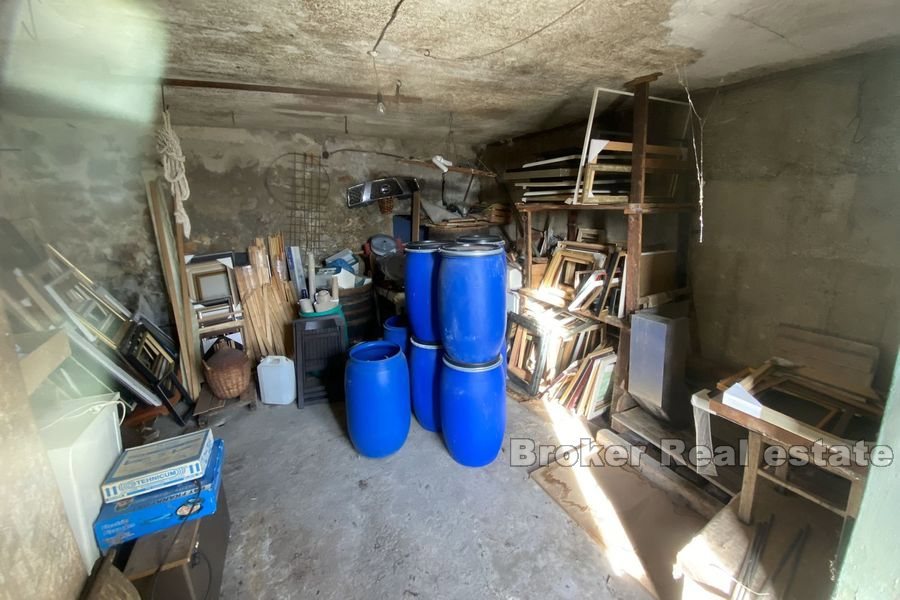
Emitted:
<point x="277" y="383"/>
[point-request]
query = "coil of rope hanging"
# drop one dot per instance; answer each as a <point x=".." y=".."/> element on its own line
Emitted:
<point x="169" y="148"/>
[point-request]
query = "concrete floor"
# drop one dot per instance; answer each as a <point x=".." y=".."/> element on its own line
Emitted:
<point x="313" y="519"/>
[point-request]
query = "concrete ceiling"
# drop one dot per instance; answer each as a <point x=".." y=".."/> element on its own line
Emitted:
<point x="436" y="48"/>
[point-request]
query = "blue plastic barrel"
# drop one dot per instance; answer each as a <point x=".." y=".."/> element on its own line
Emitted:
<point x="422" y="261"/>
<point x="395" y="330"/>
<point x="425" y="368"/>
<point x="482" y="238"/>
<point x="473" y="410"/>
<point x="376" y="386"/>
<point x="472" y="301"/>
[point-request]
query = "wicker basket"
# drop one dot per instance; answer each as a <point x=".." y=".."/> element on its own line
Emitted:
<point x="227" y="373"/>
<point x="386" y="205"/>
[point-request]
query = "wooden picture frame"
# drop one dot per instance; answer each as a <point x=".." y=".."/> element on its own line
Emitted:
<point x="89" y="309"/>
<point x="526" y="343"/>
<point x="210" y="282"/>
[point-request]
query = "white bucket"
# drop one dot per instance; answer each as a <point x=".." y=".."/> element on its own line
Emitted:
<point x="277" y="382"/>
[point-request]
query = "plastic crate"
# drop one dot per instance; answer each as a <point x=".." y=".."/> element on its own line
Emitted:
<point x="320" y="348"/>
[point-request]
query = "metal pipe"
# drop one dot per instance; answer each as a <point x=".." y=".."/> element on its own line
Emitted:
<point x="624" y="93"/>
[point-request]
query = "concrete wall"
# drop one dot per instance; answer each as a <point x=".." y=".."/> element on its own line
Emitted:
<point x="869" y="569"/>
<point x="78" y="184"/>
<point x="801" y="211"/>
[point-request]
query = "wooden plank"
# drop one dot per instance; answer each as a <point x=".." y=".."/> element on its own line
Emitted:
<point x="168" y="256"/>
<point x="657" y="273"/>
<point x="162" y="548"/>
<point x="528" y="250"/>
<point x="522" y="175"/>
<point x="44" y="353"/>
<point x="780" y="483"/>
<point x="844" y="363"/>
<point x="751" y="475"/>
<point x="416" y="216"/>
<point x="783" y="429"/>
<point x="638" y="176"/>
<point x="813" y="338"/>
<point x="638" y="421"/>
<point x="192" y="353"/>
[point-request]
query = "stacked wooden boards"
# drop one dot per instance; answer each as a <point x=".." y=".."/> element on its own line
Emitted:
<point x="268" y="299"/>
<point x="838" y="362"/>
<point x="605" y="178"/>
<point x="170" y="243"/>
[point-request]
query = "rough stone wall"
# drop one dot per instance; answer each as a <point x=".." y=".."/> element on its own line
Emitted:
<point x="801" y="210"/>
<point x="40" y="556"/>
<point x="78" y="184"/>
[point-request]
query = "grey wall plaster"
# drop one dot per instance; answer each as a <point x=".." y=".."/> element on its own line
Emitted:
<point x="78" y="184"/>
<point x="40" y="557"/>
<point x="801" y="210"/>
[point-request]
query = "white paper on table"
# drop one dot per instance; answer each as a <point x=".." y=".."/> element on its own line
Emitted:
<point x="739" y="398"/>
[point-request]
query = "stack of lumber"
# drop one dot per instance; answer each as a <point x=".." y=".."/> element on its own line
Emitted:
<point x="837" y="362"/>
<point x="554" y="179"/>
<point x="268" y="299"/>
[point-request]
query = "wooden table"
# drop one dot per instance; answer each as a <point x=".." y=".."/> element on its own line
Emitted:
<point x="792" y="436"/>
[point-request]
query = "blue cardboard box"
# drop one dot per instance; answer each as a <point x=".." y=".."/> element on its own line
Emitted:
<point x="131" y="518"/>
<point x="158" y="465"/>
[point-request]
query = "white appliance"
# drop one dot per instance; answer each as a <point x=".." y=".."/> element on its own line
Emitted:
<point x="82" y="440"/>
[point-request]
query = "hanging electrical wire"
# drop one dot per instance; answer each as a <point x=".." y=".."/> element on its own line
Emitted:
<point x="696" y="141"/>
<point x="384" y="29"/>
<point x="537" y="31"/>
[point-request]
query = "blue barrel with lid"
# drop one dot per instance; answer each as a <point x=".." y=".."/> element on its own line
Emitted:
<point x="422" y="259"/>
<point x="482" y="238"/>
<point x="472" y="301"/>
<point x="376" y="386"/>
<point x="425" y="368"/>
<point x="473" y="410"/>
<point x="395" y="330"/>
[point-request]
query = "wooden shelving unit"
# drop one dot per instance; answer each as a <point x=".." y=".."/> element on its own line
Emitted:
<point x="527" y="209"/>
<point x="625" y="414"/>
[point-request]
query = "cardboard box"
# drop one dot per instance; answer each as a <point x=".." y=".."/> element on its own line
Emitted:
<point x="160" y="464"/>
<point x="142" y="515"/>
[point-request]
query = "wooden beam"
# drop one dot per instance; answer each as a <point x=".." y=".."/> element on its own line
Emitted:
<point x="463" y="170"/>
<point x="644" y="80"/>
<point x="638" y="174"/>
<point x="415" y="217"/>
<point x="528" y="251"/>
<point x="281" y="89"/>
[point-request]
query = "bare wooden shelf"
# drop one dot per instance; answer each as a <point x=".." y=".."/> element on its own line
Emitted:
<point x="626" y="207"/>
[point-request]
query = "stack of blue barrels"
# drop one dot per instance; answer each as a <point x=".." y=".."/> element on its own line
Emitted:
<point x="456" y="317"/>
<point x="472" y="318"/>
